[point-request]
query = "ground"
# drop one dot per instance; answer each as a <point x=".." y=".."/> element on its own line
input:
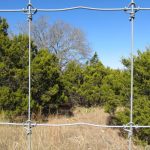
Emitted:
<point x="67" y="138"/>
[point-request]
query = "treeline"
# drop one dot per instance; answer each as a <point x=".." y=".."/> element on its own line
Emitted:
<point x="77" y="84"/>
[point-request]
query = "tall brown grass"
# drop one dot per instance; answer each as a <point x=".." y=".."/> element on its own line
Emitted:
<point x="67" y="138"/>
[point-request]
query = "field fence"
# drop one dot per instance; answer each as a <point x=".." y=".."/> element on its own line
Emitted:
<point x="30" y="11"/>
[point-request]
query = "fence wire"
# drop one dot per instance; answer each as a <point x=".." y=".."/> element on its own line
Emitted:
<point x="30" y="11"/>
<point x="72" y="124"/>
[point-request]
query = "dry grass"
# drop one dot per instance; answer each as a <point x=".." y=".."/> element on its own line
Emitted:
<point x="67" y="138"/>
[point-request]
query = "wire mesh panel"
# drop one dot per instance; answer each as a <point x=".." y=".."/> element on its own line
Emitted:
<point x="69" y="134"/>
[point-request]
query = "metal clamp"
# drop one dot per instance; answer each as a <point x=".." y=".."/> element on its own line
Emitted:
<point x="132" y="9"/>
<point x="28" y="125"/>
<point x="128" y="128"/>
<point x="30" y="11"/>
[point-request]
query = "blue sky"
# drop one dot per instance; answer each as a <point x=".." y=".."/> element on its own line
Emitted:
<point x="107" y="32"/>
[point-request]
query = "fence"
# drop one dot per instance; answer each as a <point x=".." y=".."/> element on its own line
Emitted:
<point x="30" y="11"/>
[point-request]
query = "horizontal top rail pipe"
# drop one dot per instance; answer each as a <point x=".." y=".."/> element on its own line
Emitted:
<point x="74" y="124"/>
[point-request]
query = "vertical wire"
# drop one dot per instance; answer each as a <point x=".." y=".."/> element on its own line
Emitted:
<point x="29" y="99"/>
<point x="132" y="74"/>
<point x="29" y="102"/>
<point x="131" y="98"/>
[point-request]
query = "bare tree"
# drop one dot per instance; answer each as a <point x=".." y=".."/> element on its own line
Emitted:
<point x="60" y="38"/>
<point x="40" y="32"/>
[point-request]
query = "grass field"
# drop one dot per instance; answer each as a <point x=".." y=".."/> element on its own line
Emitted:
<point x="67" y="138"/>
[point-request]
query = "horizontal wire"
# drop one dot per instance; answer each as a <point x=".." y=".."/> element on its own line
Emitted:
<point x="74" y="124"/>
<point x="144" y="8"/>
<point x="79" y="124"/>
<point x="11" y="124"/>
<point x="12" y="10"/>
<point x="83" y="7"/>
<point x="73" y="8"/>
<point x="90" y="124"/>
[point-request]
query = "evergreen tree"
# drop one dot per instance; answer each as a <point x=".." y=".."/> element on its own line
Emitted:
<point x="72" y="79"/>
<point x="94" y="59"/>
<point x="3" y="27"/>
<point x="115" y="90"/>
<point x="47" y="90"/>
<point x="141" y="104"/>
<point x="90" y="89"/>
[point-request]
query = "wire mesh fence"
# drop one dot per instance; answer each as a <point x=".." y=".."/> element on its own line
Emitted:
<point x="30" y="11"/>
